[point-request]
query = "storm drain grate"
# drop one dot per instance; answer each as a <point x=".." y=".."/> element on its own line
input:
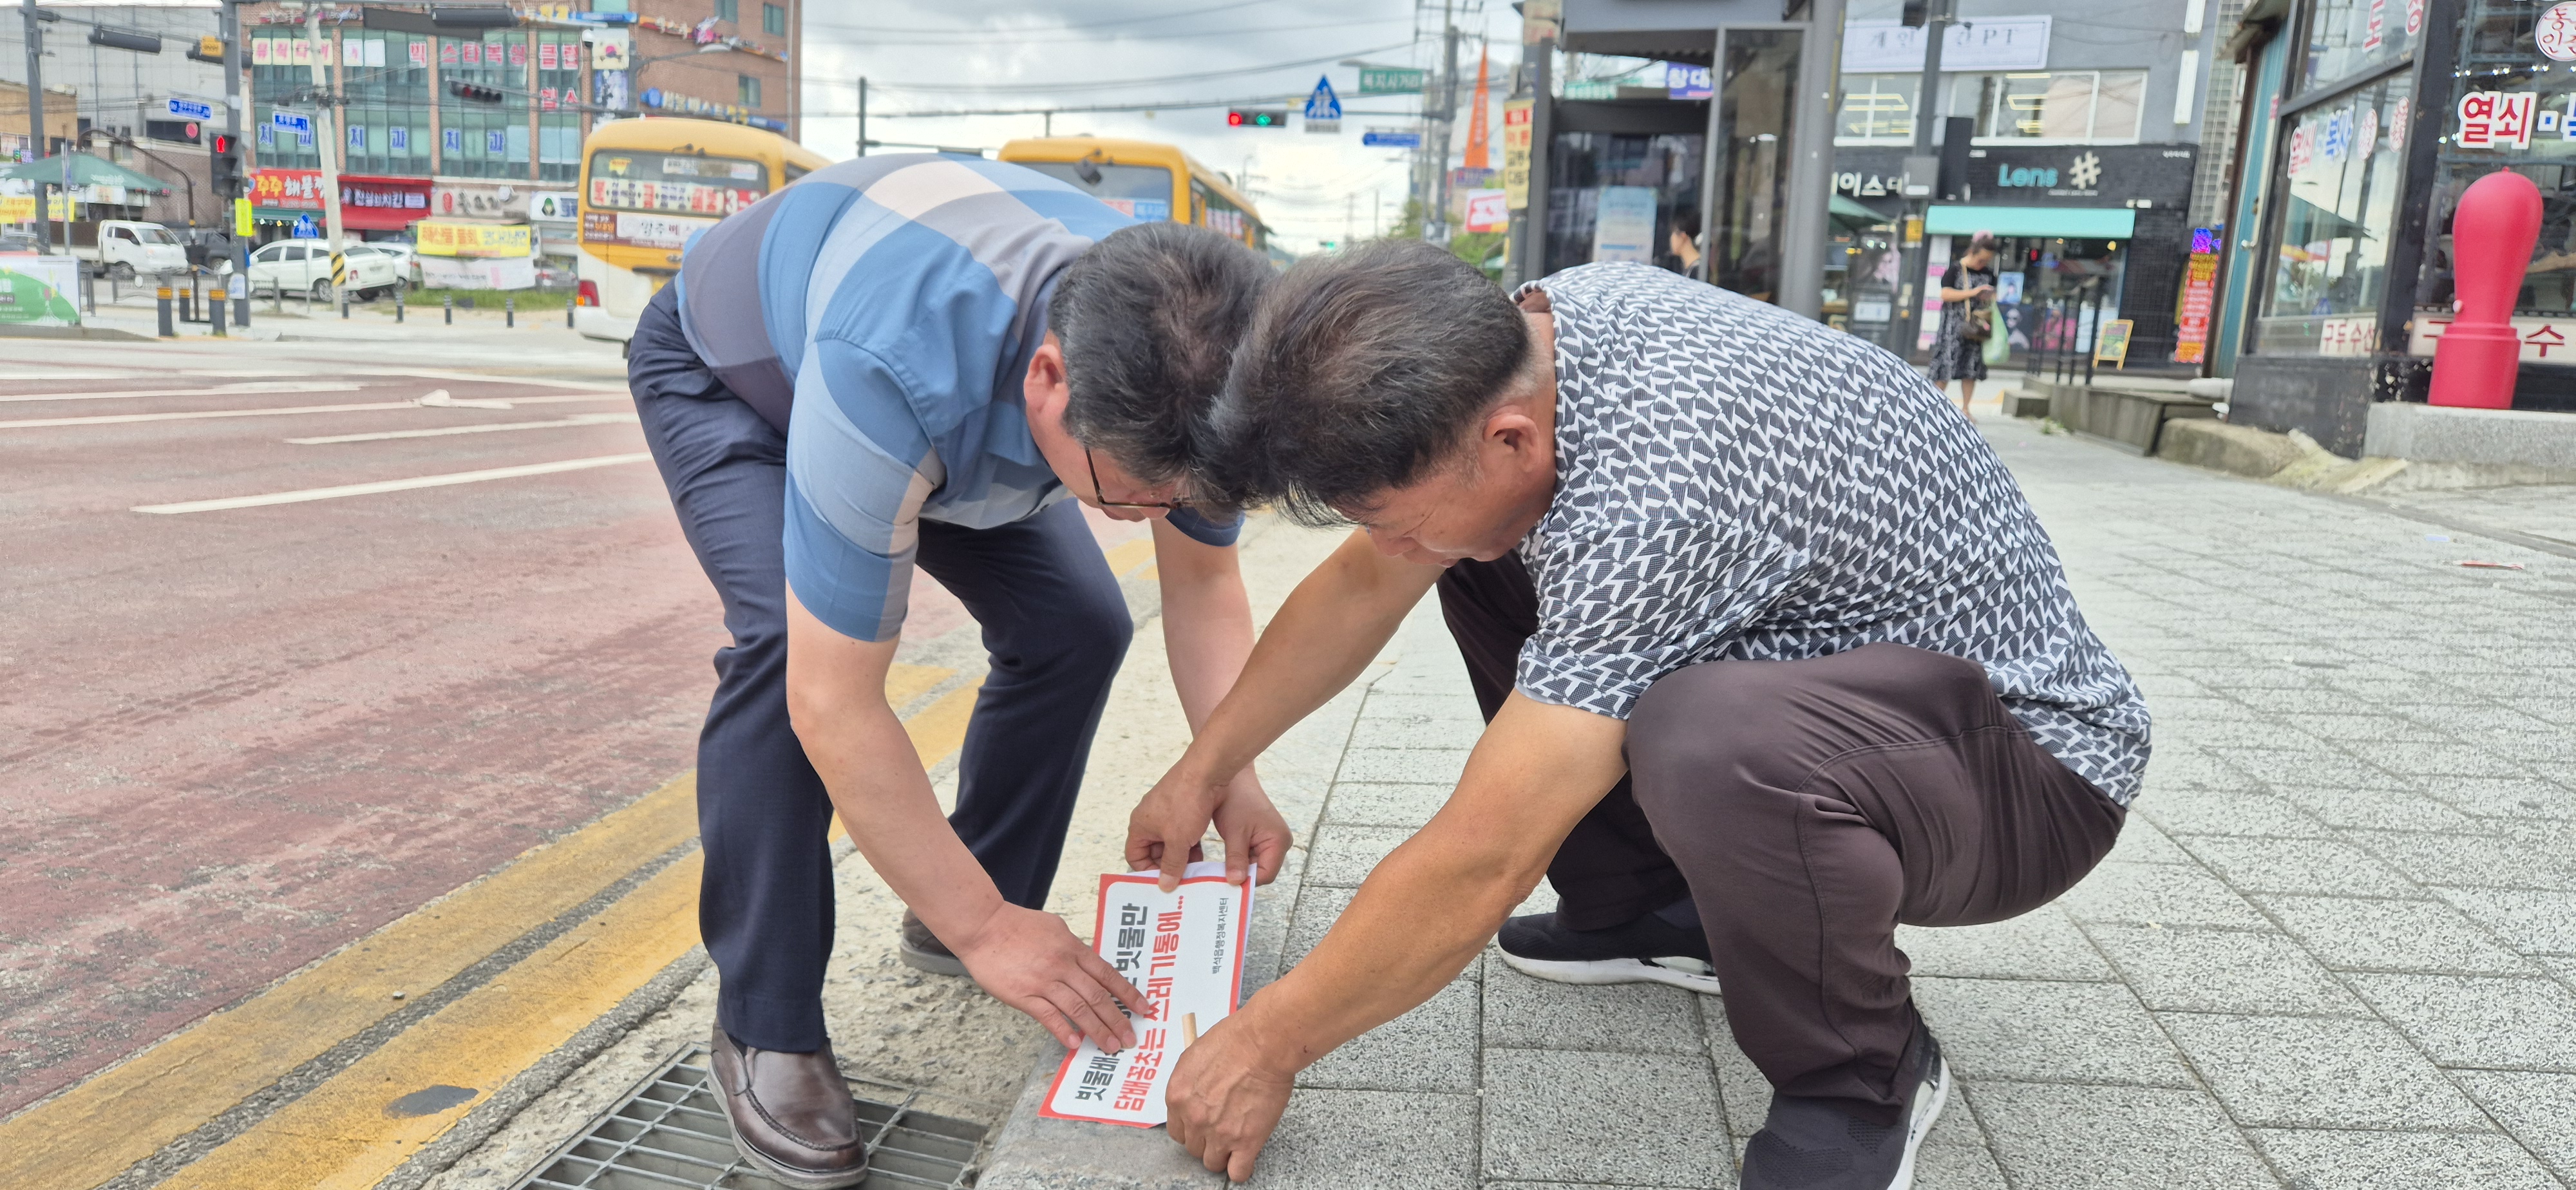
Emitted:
<point x="670" y="1134"/>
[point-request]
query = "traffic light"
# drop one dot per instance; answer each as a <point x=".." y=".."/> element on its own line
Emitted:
<point x="1918" y="13"/>
<point x="124" y="39"/>
<point x="1257" y="118"/>
<point x="473" y="92"/>
<point x="228" y="166"/>
<point x="209" y="49"/>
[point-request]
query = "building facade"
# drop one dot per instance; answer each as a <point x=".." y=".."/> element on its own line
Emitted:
<point x="2376" y="115"/>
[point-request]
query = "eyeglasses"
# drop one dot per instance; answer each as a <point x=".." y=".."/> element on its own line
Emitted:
<point x="1102" y="495"/>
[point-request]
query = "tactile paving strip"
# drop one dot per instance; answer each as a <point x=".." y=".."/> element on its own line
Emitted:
<point x="669" y="1133"/>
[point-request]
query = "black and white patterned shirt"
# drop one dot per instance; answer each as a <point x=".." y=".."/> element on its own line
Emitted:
<point x="1736" y="482"/>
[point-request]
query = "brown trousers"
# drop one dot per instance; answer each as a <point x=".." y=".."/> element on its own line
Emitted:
<point x="1807" y="808"/>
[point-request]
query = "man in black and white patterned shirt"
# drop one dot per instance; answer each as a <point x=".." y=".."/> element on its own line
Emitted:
<point x="1774" y="656"/>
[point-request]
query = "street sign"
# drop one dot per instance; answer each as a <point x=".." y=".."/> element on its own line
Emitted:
<point x="1392" y="80"/>
<point x="1323" y="108"/>
<point x="190" y="109"/>
<point x="301" y="125"/>
<point x="1685" y="81"/>
<point x="1388" y="138"/>
<point x="305" y="229"/>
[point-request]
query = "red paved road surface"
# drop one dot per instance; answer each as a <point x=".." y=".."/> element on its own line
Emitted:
<point x="232" y="741"/>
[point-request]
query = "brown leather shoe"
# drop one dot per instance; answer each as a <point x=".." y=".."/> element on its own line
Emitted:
<point x="792" y="1115"/>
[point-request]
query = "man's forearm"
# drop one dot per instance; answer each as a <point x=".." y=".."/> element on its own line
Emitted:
<point x="1332" y="625"/>
<point x="1207" y="620"/>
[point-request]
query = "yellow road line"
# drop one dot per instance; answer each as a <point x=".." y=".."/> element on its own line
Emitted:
<point x="1128" y="555"/>
<point x="344" y="1133"/>
<point x="128" y="1112"/>
<point x="341" y="1133"/>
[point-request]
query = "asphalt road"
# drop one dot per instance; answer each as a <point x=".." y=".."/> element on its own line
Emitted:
<point x="236" y="734"/>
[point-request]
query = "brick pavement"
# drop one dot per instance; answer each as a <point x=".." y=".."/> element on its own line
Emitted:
<point x="2335" y="947"/>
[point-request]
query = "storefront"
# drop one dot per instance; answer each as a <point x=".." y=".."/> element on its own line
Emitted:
<point x="2387" y="110"/>
<point x="2089" y="233"/>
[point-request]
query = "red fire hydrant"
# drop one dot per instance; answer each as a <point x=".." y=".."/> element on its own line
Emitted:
<point x="2492" y="232"/>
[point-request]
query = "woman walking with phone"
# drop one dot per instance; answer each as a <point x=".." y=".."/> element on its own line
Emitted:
<point x="1967" y="320"/>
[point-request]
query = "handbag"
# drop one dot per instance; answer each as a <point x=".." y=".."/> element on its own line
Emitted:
<point x="1978" y="324"/>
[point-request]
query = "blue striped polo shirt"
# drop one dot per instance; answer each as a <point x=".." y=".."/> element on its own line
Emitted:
<point x="883" y="312"/>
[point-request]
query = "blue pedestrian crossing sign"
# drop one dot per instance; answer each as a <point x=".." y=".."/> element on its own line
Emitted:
<point x="304" y="228"/>
<point x="1323" y="108"/>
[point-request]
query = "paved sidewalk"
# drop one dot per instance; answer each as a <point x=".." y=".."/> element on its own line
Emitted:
<point x="2335" y="946"/>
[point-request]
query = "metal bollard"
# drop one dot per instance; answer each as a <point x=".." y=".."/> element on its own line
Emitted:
<point x="402" y="298"/>
<point x="568" y="312"/>
<point x="449" y="301"/>
<point x="188" y="300"/>
<point x="509" y="312"/>
<point x="215" y="309"/>
<point x="277" y="298"/>
<point x="167" y="331"/>
<point x="344" y="304"/>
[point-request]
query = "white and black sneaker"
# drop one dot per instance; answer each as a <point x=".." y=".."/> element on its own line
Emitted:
<point x="1817" y="1144"/>
<point x="1647" y="950"/>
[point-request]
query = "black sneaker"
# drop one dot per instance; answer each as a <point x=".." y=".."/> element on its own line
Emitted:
<point x="1814" y="1144"/>
<point x="922" y="950"/>
<point x="1647" y="950"/>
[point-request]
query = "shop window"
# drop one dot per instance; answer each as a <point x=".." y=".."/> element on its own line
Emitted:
<point x="773" y="19"/>
<point x="2349" y="37"/>
<point x="2333" y="222"/>
<point x="747" y="89"/>
<point x="2498" y="38"/>
<point x="1637" y="181"/>
<point x="1877" y="109"/>
<point x="2053" y="106"/>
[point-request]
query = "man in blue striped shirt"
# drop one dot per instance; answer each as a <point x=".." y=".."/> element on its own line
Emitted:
<point x="912" y="361"/>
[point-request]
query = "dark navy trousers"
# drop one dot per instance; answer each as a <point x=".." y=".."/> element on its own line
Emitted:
<point x="1053" y="621"/>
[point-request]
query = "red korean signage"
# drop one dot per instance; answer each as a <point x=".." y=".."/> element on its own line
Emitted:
<point x="373" y="203"/>
<point x="287" y="189"/>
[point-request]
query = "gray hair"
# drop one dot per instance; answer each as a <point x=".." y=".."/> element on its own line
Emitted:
<point x="1361" y="373"/>
<point x="1149" y="318"/>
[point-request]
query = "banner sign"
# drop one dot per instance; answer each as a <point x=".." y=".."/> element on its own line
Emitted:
<point x="440" y="238"/>
<point x="1975" y="43"/>
<point x="441" y="272"/>
<point x="287" y="189"/>
<point x="1516" y="153"/>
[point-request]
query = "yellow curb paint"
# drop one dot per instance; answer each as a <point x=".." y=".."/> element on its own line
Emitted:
<point x="905" y="683"/>
<point x="1128" y="555"/>
<point x="126" y="1113"/>
<point x="342" y="1134"/>
<point x="941" y="727"/>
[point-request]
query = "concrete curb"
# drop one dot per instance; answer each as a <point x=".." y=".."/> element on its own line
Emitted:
<point x="1032" y="1153"/>
<point x="2294" y="460"/>
<point x="14" y="331"/>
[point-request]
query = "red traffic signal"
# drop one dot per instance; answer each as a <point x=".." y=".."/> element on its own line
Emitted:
<point x="1257" y="118"/>
<point x="222" y="143"/>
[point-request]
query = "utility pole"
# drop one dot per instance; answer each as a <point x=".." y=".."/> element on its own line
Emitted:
<point x="863" y="115"/>
<point x="1435" y="221"/>
<point x="327" y="116"/>
<point x="36" y="118"/>
<point x="1927" y="109"/>
<point x="1804" y="231"/>
<point x="234" y="55"/>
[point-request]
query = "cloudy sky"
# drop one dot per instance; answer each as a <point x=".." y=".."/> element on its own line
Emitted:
<point x="965" y="55"/>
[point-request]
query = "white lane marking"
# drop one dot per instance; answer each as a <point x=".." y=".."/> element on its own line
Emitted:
<point x="219" y="390"/>
<point x="109" y="419"/>
<point x="578" y="419"/>
<point x="392" y="485"/>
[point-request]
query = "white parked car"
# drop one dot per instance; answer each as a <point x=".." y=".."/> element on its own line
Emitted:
<point x="127" y="249"/>
<point x="305" y="265"/>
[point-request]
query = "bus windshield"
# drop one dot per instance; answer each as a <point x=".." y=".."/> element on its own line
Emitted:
<point x="1136" y="191"/>
<point x="669" y="183"/>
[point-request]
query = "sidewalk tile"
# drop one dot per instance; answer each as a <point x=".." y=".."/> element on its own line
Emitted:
<point x="1571" y="1116"/>
<point x="1431" y="1048"/>
<point x="2528" y="920"/>
<point x="2376" y="809"/>
<point x="1342" y="856"/>
<point x="2496" y="1023"/>
<point x="1423" y="766"/>
<point x="1317" y="908"/>
<point x="1446" y="734"/>
<point x="2318" y="1072"/>
<point x="2538" y="1109"/>
<point x="2437" y="760"/>
<point x="1746" y="1094"/>
<point x="2516" y="798"/>
<point x="2142" y="842"/>
<point x="2310" y="768"/>
<point x="2040" y="944"/>
<point x="2105" y="1138"/>
<point x="1371" y="1140"/>
<point x="2354" y="933"/>
<point x="1383" y="704"/>
<point x="1408" y="806"/>
<point x="2164" y="894"/>
<point x="1640" y="1018"/>
<point x="2297" y="866"/>
<point x="2471" y="861"/>
<point x="2048" y="1032"/>
<point x="2235" y="971"/>
<point x="2325" y="1160"/>
<point x="2227" y="812"/>
<point x="1956" y="1167"/>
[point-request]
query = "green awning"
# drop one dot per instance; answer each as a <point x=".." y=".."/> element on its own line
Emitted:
<point x="1852" y="216"/>
<point x="2072" y="223"/>
<point x="86" y="171"/>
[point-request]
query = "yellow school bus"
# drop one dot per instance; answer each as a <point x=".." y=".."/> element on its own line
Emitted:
<point x="1145" y="180"/>
<point x="647" y="185"/>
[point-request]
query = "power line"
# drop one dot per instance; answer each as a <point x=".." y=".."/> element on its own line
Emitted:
<point x="970" y="42"/>
<point x="1199" y="76"/>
